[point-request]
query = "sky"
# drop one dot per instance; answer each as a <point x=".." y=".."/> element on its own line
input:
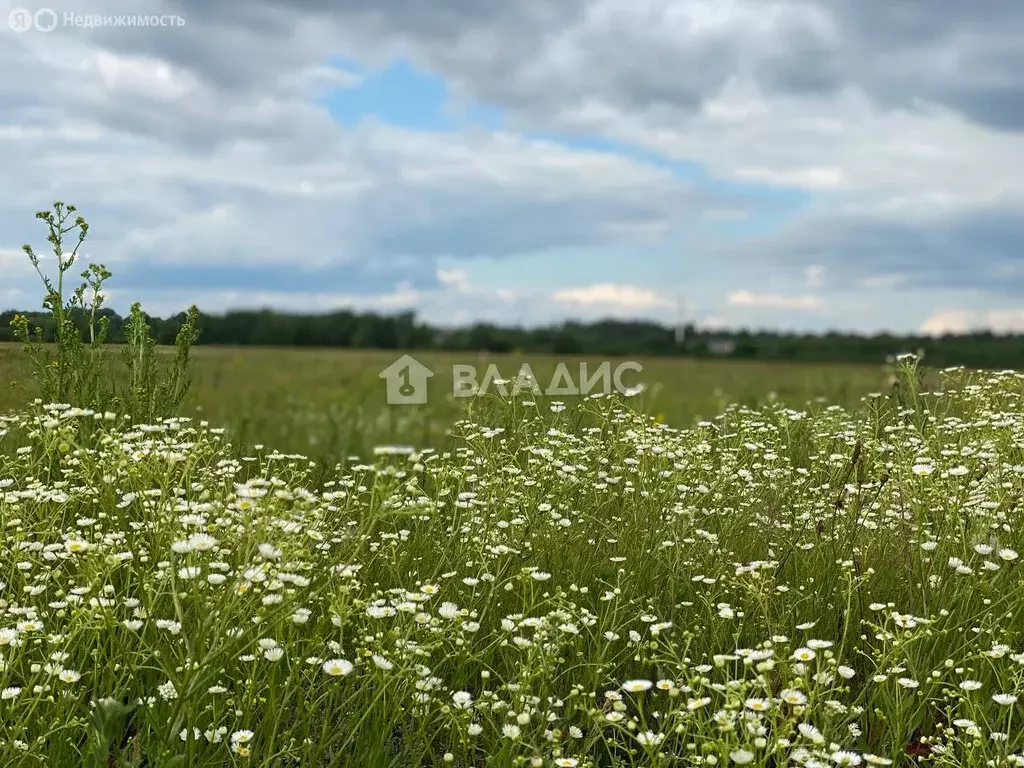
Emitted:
<point x="788" y="164"/>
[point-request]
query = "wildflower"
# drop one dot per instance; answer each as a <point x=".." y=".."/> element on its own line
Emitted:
<point x="791" y="696"/>
<point x="843" y="757"/>
<point x="1005" y="699"/>
<point x="637" y="686"/>
<point x="758" y="705"/>
<point x="448" y="611"/>
<point x="811" y="733"/>
<point x="174" y="627"/>
<point x="201" y="542"/>
<point x="511" y="731"/>
<point x="167" y="691"/>
<point x="650" y="738"/>
<point x="69" y="676"/>
<point x="742" y="756"/>
<point x="337" y="667"/>
<point x="269" y="552"/>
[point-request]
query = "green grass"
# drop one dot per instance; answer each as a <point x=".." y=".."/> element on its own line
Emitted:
<point x="329" y="403"/>
<point x="576" y="586"/>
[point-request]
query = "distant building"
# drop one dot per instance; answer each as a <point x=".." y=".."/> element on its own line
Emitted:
<point x="721" y="346"/>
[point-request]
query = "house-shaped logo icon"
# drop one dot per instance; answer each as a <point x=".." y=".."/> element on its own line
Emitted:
<point x="407" y="381"/>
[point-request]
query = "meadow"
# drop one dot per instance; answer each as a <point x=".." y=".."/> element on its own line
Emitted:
<point x="671" y="579"/>
<point x="330" y="404"/>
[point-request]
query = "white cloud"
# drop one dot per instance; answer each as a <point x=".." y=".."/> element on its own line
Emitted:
<point x="814" y="275"/>
<point x="745" y="298"/>
<point x="612" y="295"/>
<point x="11" y="257"/>
<point x="944" y="321"/>
<point x="454" y="278"/>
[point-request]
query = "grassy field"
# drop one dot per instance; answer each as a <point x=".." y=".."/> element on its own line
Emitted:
<point x="331" y="403"/>
<point x="578" y="587"/>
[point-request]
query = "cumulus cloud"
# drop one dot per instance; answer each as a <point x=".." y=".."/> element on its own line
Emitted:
<point x="184" y="150"/>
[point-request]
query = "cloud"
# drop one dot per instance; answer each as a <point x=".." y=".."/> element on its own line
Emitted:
<point x="814" y="275"/>
<point x="454" y="278"/>
<point x="615" y="126"/>
<point x="178" y="164"/>
<point x="10" y="257"/>
<point x="972" y="248"/>
<point x="610" y="295"/>
<point x="944" y="321"/>
<point x="675" y="55"/>
<point x="745" y="298"/>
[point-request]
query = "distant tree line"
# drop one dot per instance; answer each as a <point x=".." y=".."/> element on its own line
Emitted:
<point x="367" y="330"/>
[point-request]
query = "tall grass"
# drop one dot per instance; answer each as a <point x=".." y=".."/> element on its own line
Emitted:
<point x="572" y="585"/>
